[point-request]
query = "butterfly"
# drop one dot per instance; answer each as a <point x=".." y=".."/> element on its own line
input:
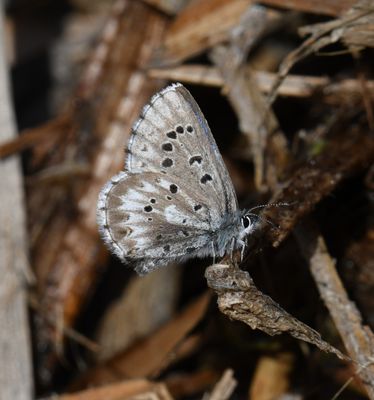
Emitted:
<point x="175" y="199"/>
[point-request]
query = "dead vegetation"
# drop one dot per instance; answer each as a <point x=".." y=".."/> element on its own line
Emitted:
<point x="288" y="89"/>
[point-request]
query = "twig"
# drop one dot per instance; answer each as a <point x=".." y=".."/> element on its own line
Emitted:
<point x="348" y="28"/>
<point x="224" y="388"/>
<point x="131" y="389"/>
<point x="29" y="138"/>
<point x="357" y="338"/>
<point x="67" y="252"/>
<point x="201" y="25"/>
<point x="347" y="154"/>
<point x="256" y="121"/>
<point x="293" y="85"/>
<point x="328" y="7"/>
<point x="158" y="349"/>
<point x="239" y="299"/>
<point x="16" y="377"/>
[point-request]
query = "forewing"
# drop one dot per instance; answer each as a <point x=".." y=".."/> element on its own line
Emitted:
<point x="172" y="137"/>
<point x="150" y="219"/>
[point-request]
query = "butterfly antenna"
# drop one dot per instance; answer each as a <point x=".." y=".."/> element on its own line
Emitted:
<point x="272" y="205"/>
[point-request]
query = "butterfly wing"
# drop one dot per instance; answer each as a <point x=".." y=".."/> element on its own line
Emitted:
<point x="173" y="137"/>
<point x="176" y="190"/>
<point x="148" y="219"/>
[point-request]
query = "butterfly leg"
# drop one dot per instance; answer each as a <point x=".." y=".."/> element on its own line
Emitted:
<point x="214" y="252"/>
<point x="243" y="246"/>
<point x="232" y="248"/>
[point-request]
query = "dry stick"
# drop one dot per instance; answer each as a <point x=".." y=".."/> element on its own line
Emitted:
<point x="239" y="299"/>
<point x="200" y="25"/>
<point x="31" y="137"/>
<point x="324" y="34"/>
<point x="237" y="295"/>
<point x="328" y="7"/>
<point x="158" y="349"/>
<point x="15" y="354"/>
<point x="67" y="251"/>
<point x="170" y="7"/>
<point x="246" y="98"/>
<point x="292" y="86"/>
<point x="131" y="389"/>
<point x="358" y="339"/>
<point x="349" y="153"/>
<point x="224" y="388"/>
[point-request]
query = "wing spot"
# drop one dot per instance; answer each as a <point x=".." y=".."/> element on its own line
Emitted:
<point x="197" y="207"/>
<point x="184" y="221"/>
<point x="206" y="178"/>
<point x="195" y="159"/>
<point x="125" y="231"/>
<point x="168" y="162"/>
<point x="171" y="135"/>
<point x="185" y="233"/>
<point x="173" y="188"/>
<point x="189" y="129"/>
<point x="148" y="208"/>
<point x="167" y="248"/>
<point x="168" y="197"/>
<point x="150" y="219"/>
<point x="167" y="146"/>
<point x="159" y="237"/>
<point x="179" y="129"/>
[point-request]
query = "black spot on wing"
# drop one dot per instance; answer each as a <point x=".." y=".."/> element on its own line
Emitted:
<point x="173" y="188"/>
<point x="167" y="146"/>
<point x="171" y="135"/>
<point x="195" y="159"/>
<point x="168" y="162"/>
<point x="206" y="178"/>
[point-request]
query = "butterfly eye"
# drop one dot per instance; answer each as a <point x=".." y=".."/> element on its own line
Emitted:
<point x="246" y="221"/>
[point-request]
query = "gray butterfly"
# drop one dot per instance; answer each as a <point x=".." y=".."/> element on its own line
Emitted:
<point x="175" y="200"/>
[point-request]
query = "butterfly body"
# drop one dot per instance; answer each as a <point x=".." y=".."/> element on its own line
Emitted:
<point x="175" y="200"/>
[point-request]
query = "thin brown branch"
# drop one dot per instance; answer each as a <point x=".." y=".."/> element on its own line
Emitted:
<point x="239" y="299"/>
<point x="67" y="253"/>
<point x="157" y="349"/>
<point x="293" y="85"/>
<point x="328" y="7"/>
<point x="256" y="121"/>
<point x="137" y="388"/>
<point x="224" y="388"/>
<point x="345" y="155"/>
<point x="357" y="338"/>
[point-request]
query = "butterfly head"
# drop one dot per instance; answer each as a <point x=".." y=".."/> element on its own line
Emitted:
<point x="248" y="223"/>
